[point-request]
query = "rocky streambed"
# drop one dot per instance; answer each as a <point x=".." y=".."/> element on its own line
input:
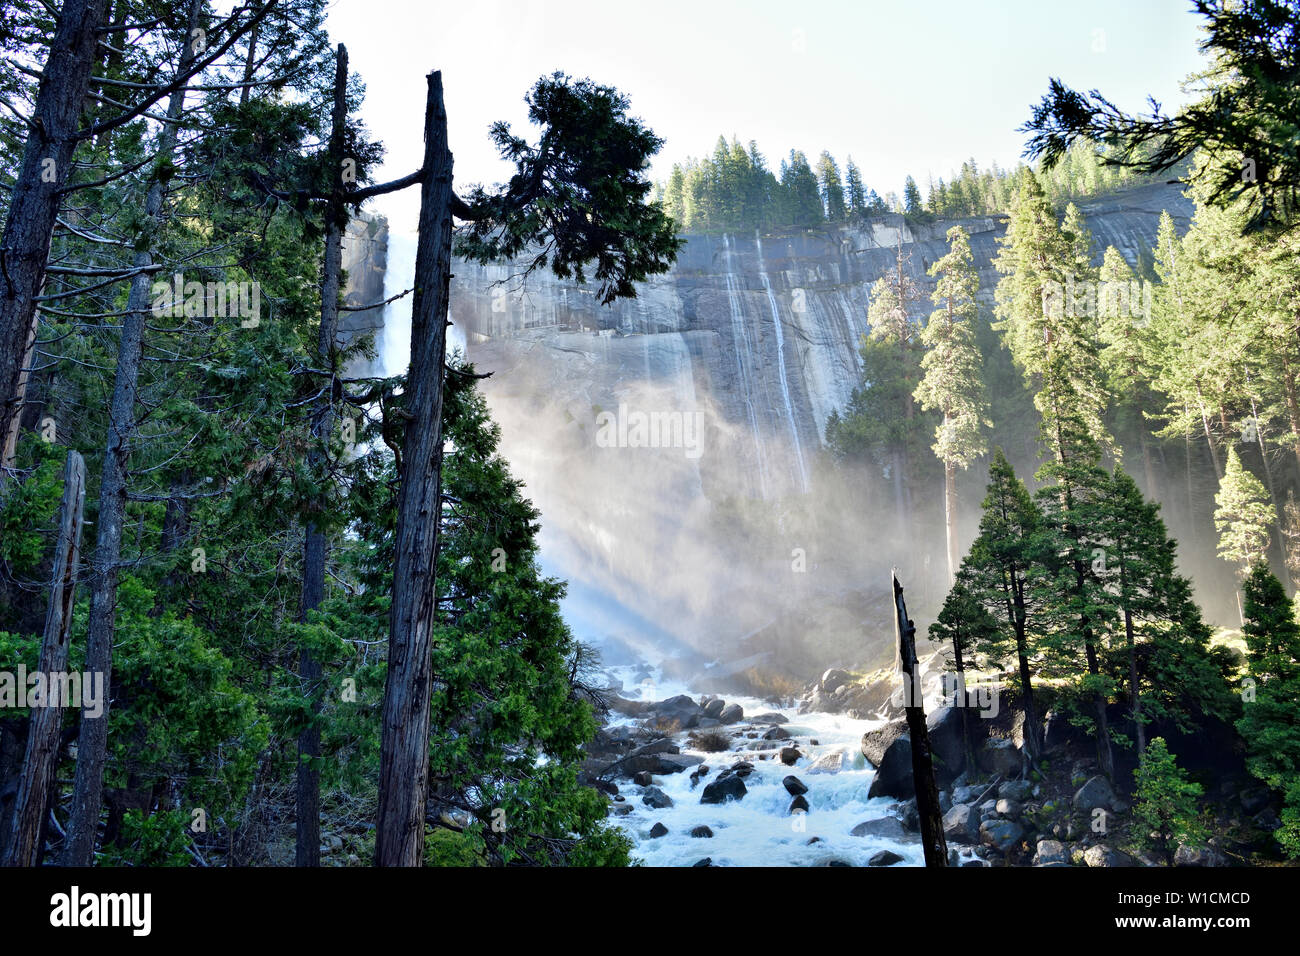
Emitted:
<point x="699" y="780"/>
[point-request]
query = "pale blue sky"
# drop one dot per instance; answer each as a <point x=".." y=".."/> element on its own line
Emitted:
<point x="905" y="87"/>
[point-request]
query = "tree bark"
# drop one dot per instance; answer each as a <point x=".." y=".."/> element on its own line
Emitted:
<point x="92" y="739"/>
<point x="1139" y="728"/>
<point x="404" y="754"/>
<point x="1105" y="757"/>
<point x="927" y="792"/>
<point x="34" y="199"/>
<point x="316" y="546"/>
<point x="37" y="782"/>
<point x="1016" y="611"/>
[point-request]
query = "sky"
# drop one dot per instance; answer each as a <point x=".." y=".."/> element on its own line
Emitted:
<point x="912" y="87"/>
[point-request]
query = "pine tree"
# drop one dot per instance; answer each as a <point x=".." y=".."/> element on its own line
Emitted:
<point x="1165" y="812"/>
<point x="799" y="183"/>
<point x="1040" y="320"/>
<point x="891" y="364"/>
<point x="966" y="625"/>
<point x="831" y="188"/>
<point x="1002" y="567"/>
<point x="854" y="191"/>
<point x="1270" y="721"/>
<point x="1078" y="611"/>
<point x="912" y="205"/>
<point x="1172" y="675"/>
<point x="952" y="384"/>
<point x="1243" y="518"/>
<point x="1127" y="352"/>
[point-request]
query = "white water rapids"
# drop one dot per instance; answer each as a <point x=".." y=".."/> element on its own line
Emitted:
<point x="758" y="830"/>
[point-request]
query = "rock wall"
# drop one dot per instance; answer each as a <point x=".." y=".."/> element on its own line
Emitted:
<point x="764" y="330"/>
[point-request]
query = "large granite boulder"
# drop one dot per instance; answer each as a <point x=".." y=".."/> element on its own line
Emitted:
<point x="894" y="776"/>
<point x="876" y="742"/>
<point x="961" y="824"/>
<point x="730" y="787"/>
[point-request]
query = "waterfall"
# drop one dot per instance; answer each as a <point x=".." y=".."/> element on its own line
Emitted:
<point x="780" y="366"/>
<point x="741" y="342"/>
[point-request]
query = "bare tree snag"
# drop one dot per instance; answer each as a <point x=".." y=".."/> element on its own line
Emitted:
<point x="404" y="754"/>
<point x="927" y="792"/>
<point x="36" y="784"/>
<point x="92" y="739"/>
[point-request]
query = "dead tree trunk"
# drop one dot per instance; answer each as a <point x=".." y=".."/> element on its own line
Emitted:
<point x="34" y="199"/>
<point x="316" y="547"/>
<point x="404" y="754"/>
<point x="927" y="792"/>
<point x="25" y="845"/>
<point x="92" y="738"/>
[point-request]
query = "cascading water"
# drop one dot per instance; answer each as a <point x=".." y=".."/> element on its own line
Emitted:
<point x="842" y="825"/>
<point x="740" y="339"/>
<point x="780" y="366"/>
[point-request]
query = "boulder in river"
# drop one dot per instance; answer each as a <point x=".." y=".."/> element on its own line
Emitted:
<point x="833" y="680"/>
<point x="729" y="787"/>
<point x="790" y="756"/>
<point x="798" y="805"/>
<point x="794" y="786"/>
<point x="894" y="776"/>
<point x="876" y="742"/>
<point x="731" y="714"/>
<point x="657" y="831"/>
<point x="656" y="799"/>
<point x="885" y="828"/>
<point x="681" y="712"/>
<point x="884" y="858"/>
<point x="701" y="832"/>
<point x="831" y="762"/>
<point x="712" y="707"/>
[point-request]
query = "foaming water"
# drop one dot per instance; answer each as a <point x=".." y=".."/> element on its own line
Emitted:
<point x="758" y="830"/>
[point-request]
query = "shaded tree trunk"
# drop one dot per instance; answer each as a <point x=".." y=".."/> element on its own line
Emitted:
<point x="316" y="547"/>
<point x="1105" y="757"/>
<point x="92" y="739"/>
<point x="404" y="749"/>
<point x="1016" y="613"/>
<point x="37" y="783"/>
<point x="1139" y="729"/>
<point x="35" y="196"/>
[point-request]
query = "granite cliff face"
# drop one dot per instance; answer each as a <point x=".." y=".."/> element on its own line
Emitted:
<point x="671" y="441"/>
<point x="760" y="331"/>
